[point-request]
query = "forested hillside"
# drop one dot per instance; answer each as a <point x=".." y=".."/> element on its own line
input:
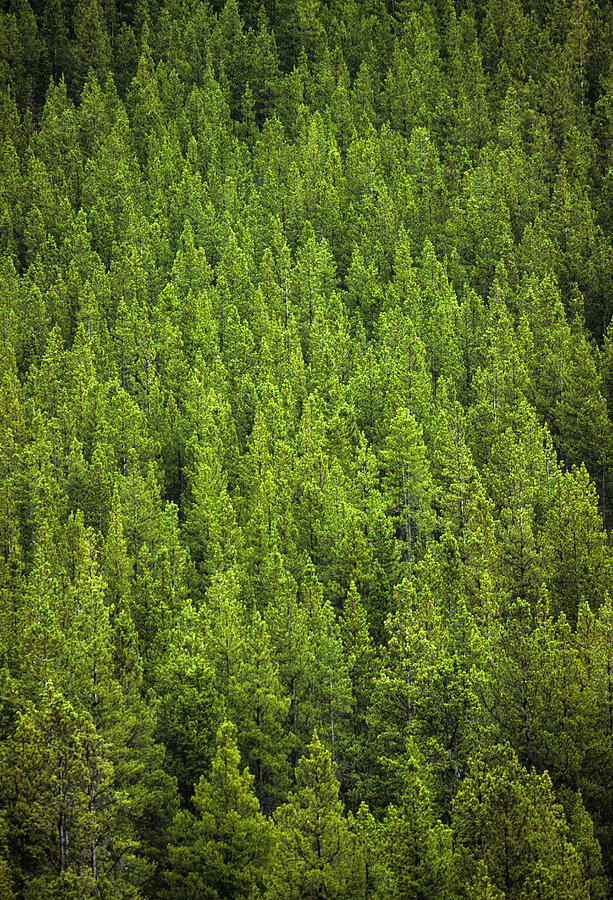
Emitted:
<point x="306" y="449"/>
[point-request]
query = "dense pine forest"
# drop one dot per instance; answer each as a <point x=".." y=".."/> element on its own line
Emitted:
<point x="306" y="466"/>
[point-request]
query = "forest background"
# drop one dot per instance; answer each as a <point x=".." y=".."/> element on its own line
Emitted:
<point x="306" y="456"/>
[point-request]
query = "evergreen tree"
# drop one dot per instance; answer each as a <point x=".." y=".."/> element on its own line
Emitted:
<point x="508" y="826"/>
<point x="314" y="853"/>
<point x="224" y="849"/>
<point x="416" y="848"/>
<point x="407" y="479"/>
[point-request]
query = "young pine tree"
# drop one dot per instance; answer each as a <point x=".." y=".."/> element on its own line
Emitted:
<point x="223" y="851"/>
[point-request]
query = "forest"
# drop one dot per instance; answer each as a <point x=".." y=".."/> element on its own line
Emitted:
<point x="306" y="449"/>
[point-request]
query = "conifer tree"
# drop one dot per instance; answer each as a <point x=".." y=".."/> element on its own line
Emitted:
<point x="407" y="479"/>
<point x="261" y="709"/>
<point x="416" y="848"/>
<point x="314" y="852"/>
<point x="508" y="825"/>
<point x="224" y="849"/>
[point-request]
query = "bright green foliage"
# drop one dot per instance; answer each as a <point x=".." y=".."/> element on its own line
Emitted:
<point x="594" y="641"/>
<point x="261" y="708"/>
<point x="58" y="807"/>
<point x="362" y="669"/>
<point x="575" y="543"/>
<point x="306" y="405"/>
<point x="314" y="854"/>
<point x="416" y="848"/>
<point x="508" y="825"/>
<point x="189" y="713"/>
<point x="407" y="480"/>
<point x="457" y="479"/>
<point x="224" y="849"/>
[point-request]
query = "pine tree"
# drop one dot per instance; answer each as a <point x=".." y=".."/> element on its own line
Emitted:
<point x="261" y="709"/>
<point x="407" y="480"/>
<point x="315" y="848"/>
<point x="189" y="713"/>
<point x="507" y="824"/>
<point x="416" y="848"/>
<point x="224" y="848"/>
<point x="93" y="47"/>
<point x="455" y="476"/>
<point x="52" y="767"/>
<point x="574" y="547"/>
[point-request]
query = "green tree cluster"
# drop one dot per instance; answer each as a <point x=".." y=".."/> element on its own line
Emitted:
<point x="306" y="449"/>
